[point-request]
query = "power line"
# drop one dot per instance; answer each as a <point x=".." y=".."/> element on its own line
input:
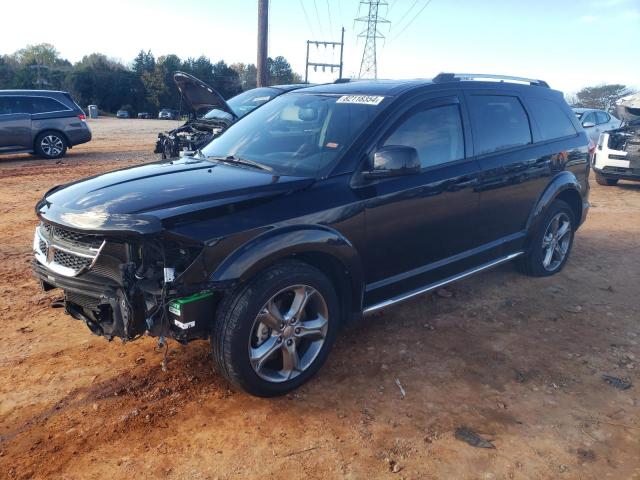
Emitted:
<point x="318" y="18"/>
<point x="411" y="21"/>
<point x="407" y="12"/>
<point x="307" y="18"/>
<point x="330" y="22"/>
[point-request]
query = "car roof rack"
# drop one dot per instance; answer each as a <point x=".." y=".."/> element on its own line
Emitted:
<point x="453" y="77"/>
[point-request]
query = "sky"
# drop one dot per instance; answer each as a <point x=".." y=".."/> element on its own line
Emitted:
<point x="569" y="43"/>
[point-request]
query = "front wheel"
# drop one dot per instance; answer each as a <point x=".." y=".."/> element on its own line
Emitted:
<point x="275" y="332"/>
<point x="551" y="242"/>
<point x="607" y="182"/>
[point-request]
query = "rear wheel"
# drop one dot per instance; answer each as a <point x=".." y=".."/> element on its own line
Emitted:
<point x="607" y="182"/>
<point x="274" y="333"/>
<point x="551" y="242"/>
<point x="50" y="145"/>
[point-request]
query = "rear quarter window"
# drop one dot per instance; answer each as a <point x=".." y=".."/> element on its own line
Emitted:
<point x="552" y="121"/>
<point x="499" y="122"/>
<point x="45" y="105"/>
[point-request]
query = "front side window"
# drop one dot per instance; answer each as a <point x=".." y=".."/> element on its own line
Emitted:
<point x="436" y="133"/>
<point x="295" y="134"/>
<point x="499" y="122"/>
<point x="589" y="118"/>
<point x="551" y="119"/>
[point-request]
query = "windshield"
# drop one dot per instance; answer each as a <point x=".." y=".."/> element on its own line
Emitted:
<point x="295" y="134"/>
<point x="251" y="99"/>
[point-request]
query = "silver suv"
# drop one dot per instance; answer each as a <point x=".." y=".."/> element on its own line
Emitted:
<point x="596" y="122"/>
<point x="40" y="121"/>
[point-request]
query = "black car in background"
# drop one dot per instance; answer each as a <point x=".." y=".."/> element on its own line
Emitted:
<point x="322" y="205"/>
<point x="44" y="122"/>
<point x="210" y="114"/>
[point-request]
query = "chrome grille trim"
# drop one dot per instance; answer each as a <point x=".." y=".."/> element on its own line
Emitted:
<point x="49" y="253"/>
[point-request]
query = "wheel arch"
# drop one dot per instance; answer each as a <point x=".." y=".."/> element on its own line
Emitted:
<point x="54" y="130"/>
<point x="319" y="246"/>
<point x="564" y="186"/>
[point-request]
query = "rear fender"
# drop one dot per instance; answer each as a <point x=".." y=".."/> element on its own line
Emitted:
<point x="565" y="185"/>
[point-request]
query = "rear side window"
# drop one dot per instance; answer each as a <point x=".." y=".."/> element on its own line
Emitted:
<point x="436" y="133"/>
<point x="9" y="105"/>
<point x="602" y="117"/>
<point x="499" y="122"/>
<point x="552" y="120"/>
<point x="45" y="105"/>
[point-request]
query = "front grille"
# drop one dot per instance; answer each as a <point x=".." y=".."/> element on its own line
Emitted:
<point x="69" y="260"/>
<point x="78" y="239"/>
<point x="64" y="251"/>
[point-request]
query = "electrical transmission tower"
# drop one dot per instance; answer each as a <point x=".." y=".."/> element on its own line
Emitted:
<point x="369" y="66"/>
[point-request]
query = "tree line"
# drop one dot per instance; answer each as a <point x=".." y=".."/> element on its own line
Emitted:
<point x="145" y="85"/>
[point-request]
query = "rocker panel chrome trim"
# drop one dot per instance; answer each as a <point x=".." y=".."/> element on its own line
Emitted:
<point x="441" y="283"/>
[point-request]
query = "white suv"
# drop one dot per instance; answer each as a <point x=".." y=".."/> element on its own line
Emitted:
<point x="617" y="155"/>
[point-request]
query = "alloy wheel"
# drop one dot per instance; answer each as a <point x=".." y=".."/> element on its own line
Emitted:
<point x="52" y="145"/>
<point x="556" y="242"/>
<point x="288" y="333"/>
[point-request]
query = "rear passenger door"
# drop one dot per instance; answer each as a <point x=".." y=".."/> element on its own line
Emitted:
<point x="511" y="173"/>
<point x="15" y="123"/>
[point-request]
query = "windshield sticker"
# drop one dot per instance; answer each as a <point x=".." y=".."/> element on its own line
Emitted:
<point x="261" y="99"/>
<point x="361" y="99"/>
<point x="331" y="145"/>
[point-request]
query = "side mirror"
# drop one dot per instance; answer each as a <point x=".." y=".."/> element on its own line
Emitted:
<point x="394" y="161"/>
<point x="588" y="124"/>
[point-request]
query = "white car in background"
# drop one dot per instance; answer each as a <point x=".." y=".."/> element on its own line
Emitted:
<point x="596" y="122"/>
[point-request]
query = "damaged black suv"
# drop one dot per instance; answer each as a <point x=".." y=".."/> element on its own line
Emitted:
<point x="324" y="204"/>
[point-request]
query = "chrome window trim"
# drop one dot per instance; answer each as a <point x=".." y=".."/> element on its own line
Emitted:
<point x="39" y="113"/>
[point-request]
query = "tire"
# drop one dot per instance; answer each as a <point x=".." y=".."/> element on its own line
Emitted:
<point x="536" y="262"/>
<point x="50" y="145"/>
<point x="607" y="182"/>
<point x="244" y="328"/>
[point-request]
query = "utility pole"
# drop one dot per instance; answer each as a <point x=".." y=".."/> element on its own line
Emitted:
<point x="263" y="27"/>
<point x="324" y="66"/>
<point x="369" y="65"/>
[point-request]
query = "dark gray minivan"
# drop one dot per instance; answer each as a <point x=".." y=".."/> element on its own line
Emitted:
<point x="40" y="121"/>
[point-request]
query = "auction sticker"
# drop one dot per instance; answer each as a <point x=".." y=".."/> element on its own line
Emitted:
<point x="361" y="99"/>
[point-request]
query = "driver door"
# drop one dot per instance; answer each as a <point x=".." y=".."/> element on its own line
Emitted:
<point x="420" y="226"/>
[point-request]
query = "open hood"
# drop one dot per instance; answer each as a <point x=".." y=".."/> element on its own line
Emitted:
<point x="199" y="96"/>
<point x="628" y="108"/>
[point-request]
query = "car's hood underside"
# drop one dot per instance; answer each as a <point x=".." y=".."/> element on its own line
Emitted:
<point x="198" y="95"/>
<point x="145" y="199"/>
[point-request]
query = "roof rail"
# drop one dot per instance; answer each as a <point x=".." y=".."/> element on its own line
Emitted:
<point x="452" y="77"/>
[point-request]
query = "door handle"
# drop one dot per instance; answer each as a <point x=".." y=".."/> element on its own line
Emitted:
<point x="461" y="183"/>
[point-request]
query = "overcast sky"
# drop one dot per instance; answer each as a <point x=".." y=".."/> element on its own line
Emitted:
<point x="569" y="43"/>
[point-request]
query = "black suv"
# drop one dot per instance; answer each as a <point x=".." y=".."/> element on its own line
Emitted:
<point x="41" y="121"/>
<point x="323" y="204"/>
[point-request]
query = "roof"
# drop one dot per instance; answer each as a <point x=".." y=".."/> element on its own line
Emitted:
<point x="32" y="92"/>
<point x="288" y="88"/>
<point x="368" y="87"/>
<point x="582" y="110"/>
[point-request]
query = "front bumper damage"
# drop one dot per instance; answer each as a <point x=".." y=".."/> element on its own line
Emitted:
<point x="618" y="154"/>
<point x="127" y="286"/>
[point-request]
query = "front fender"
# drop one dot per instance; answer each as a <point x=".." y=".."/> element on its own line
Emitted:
<point x="273" y="245"/>
<point x="564" y="181"/>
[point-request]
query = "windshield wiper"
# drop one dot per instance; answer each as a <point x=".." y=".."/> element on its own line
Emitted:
<point x="240" y="161"/>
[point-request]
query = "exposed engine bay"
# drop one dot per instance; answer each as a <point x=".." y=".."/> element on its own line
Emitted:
<point x="128" y="286"/>
<point x="209" y="115"/>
